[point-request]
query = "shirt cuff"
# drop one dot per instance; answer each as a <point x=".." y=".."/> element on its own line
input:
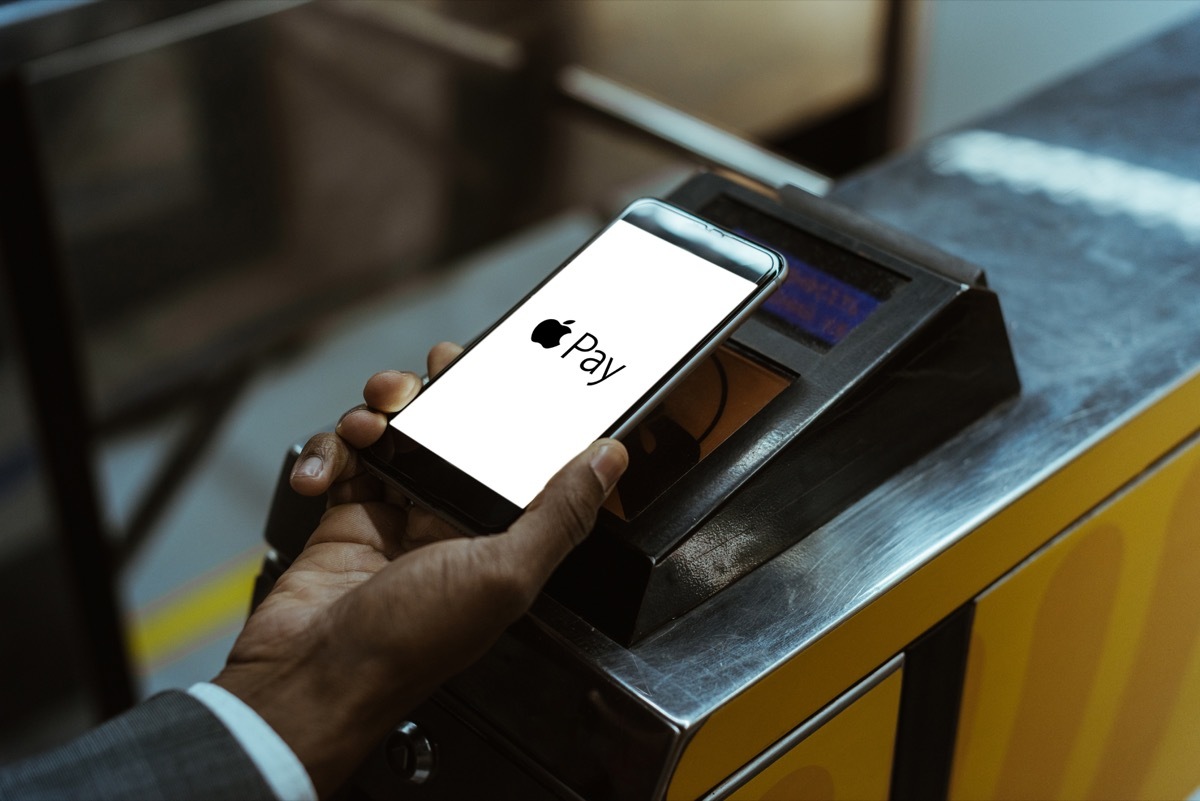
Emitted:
<point x="279" y="766"/>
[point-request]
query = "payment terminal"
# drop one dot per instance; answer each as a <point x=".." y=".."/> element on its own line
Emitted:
<point x="876" y="348"/>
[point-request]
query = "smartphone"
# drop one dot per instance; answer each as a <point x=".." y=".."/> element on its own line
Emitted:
<point x="586" y="354"/>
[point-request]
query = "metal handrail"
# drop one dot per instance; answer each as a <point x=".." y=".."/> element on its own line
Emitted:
<point x="700" y="139"/>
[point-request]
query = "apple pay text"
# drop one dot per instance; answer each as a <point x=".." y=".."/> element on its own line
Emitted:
<point x="549" y="334"/>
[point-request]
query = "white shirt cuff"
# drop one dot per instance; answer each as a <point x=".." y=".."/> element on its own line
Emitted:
<point x="279" y="766"/>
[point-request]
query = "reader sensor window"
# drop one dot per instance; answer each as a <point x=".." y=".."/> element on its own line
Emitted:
<point x="828" y="292"/>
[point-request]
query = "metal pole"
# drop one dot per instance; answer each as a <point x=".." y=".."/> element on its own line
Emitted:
<point x="47" y="338"/>
<point x="698" y="138"/>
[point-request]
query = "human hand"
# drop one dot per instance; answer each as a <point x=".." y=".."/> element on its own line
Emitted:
<point x="386" y="601"/>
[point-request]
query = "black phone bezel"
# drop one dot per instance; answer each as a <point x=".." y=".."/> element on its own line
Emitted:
<point x="439" y="486"/>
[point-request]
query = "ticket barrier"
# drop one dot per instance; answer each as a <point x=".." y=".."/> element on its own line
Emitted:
<point x="877" y="348"/>
<point x="1011" y="615"/>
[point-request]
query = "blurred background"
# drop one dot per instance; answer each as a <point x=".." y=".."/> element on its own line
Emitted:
<point x="247" y="207"/>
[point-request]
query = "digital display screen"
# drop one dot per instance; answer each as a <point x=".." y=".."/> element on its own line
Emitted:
<point x="571" y="359"/>
<point x="817" y="303"/>
<point x="828" y="292"/>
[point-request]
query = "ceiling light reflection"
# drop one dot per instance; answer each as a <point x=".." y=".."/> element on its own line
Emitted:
<point x="1070" y="176"/>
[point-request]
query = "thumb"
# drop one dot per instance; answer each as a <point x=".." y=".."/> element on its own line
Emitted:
<point x="563" y="514"/>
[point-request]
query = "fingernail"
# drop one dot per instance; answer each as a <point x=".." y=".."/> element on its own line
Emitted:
<point x="608" y="463"/>
<point x="309" y="468"/>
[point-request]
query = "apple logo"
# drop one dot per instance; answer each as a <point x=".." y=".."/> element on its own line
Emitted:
<point x="549" y="332"/>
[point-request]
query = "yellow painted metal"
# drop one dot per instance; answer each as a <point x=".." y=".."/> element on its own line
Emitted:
<point x="849" y="758"/>
<point x="1084" y="671"/>
<point x="795" y="690"/>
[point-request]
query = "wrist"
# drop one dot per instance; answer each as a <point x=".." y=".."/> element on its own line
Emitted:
<point x="328" y="729"/>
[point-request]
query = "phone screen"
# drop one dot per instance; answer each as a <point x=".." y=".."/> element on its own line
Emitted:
<point x="567" y="363"/>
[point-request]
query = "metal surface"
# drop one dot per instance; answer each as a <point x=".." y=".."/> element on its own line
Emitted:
<point x="697" y="138"/>
<point x="156" y="33"/>
<point x="410" y="753"/>
<point x="32" y="29"/>
<point x="439" y="33"/>
<point x="1102" y="310"/>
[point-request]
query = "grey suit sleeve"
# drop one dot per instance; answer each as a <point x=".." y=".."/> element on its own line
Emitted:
<point x="170" y="746"/>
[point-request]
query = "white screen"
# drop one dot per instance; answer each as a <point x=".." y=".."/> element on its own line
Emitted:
<point x="511" y="412"/>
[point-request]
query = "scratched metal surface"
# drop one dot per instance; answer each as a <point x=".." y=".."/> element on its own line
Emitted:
<point x="1077" y="204"/>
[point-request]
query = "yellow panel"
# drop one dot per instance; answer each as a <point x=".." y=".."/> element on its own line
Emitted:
<point x="850" y="757"/>
<point x="795" y="690"/>
<point x="1084" y="673"/>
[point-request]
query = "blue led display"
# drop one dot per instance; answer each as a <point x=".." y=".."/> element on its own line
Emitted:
<point x="819" y="304"/>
